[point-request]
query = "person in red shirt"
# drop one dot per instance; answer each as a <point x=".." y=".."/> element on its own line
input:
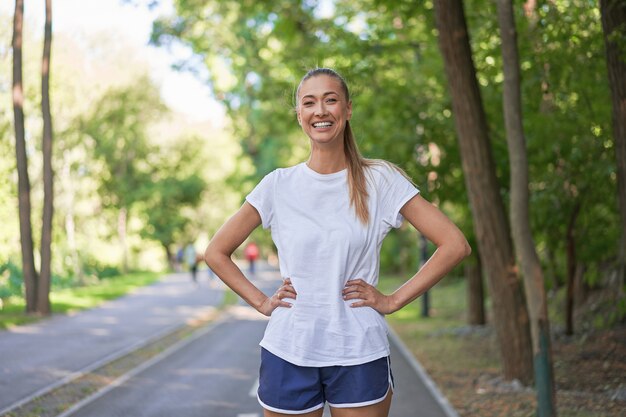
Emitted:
<point x="251" y="252"/>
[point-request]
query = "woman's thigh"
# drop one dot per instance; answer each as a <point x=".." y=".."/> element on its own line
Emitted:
<point x="380" y="409"/>
<point x="316" y="413"/>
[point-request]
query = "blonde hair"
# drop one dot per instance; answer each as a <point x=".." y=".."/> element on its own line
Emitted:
<point x="357" y="182"/>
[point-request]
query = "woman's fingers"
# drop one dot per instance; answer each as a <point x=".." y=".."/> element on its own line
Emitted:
<point x="282" y="303"/>
<point x="356" y="288"/>
<point x="366" y="295"/>
<point x="286" y="290"/>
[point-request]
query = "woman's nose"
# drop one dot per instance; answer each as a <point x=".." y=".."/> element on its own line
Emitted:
<point x="320" y="109"/>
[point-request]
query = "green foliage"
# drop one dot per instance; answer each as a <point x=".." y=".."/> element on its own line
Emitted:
<point x="256" y="53"/>
<point x="115" y="147"/>
<point x="117" y="125"/>
<point x="94" y="268"/>
<point x="175" y="188"/>
<point x="11" y="282"/>
<point x="568" y="123"/>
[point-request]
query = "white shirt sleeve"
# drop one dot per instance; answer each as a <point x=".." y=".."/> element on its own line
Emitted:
<point x="262" y="199"/>
<point x="394" y="192"/>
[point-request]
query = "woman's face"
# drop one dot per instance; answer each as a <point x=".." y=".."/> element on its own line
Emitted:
<point x="323" y="109"/>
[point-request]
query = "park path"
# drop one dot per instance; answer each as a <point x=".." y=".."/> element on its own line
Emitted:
<point x="212" y="374"/>
<point x="35" y="357"/>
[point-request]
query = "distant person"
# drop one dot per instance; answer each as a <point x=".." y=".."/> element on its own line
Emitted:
<point x="251" y="252"/>
<point x="178" y="262"/>
<point x="191" y="260"/>
<point x="326" y="340"/>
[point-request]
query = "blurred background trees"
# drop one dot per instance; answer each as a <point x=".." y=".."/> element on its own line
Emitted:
<point x="256" y="53"/>
<point x="135" y="180"/>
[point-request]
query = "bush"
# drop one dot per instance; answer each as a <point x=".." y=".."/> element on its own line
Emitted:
<point x="94" y="268"/>
<point x="11" y="280"/>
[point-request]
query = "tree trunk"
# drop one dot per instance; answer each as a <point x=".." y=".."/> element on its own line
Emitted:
<point x="552" y="269"/>
<point x="43" y="290"/>
<point x="171" y="258"/>
<point x="525" y="251"/>
<point x="570" y="245"/>
<point x="580" y="288"/>
<point x="492" y="230"/>
<point x="475" y="293"/>
<point x="613" y="15"/>
<point x="23" y="183"/>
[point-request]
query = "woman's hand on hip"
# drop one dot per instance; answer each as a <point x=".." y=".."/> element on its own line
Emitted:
<point x="367" y="296"/>
<point x="277" y="299"/>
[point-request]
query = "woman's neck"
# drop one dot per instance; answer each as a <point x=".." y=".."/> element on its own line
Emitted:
<point x="326" y="161"/>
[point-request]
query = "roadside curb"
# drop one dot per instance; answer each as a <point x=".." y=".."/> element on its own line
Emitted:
<point x="422" y="374"/>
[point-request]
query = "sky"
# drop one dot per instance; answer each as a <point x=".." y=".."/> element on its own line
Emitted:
<point x="182" y="92"/>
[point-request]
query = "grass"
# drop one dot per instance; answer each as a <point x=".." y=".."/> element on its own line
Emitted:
<point x="464" y="361"/>
<point x="69" y="300"/>
<point x="437" y="336"/>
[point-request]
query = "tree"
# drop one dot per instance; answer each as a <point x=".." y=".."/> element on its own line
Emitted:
<point x="613" y="13"/>
<point x="571" y="151"/>
<point x="175" y="189"/>
<point x="524" y="244"/>
<point x="491" y="226"/>
<point x="475" y="292"/>
<point x="43" y="299"/>
<point x="26" y="233"/>
<point x="386" y="51"/>
<point x="118" y="126"/>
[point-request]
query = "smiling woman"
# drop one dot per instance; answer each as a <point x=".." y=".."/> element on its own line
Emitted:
<point x="328" y="217"/>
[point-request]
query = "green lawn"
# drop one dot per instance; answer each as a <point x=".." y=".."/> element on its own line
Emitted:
<point x="447" y="304"/>
<point x="78" y="298"/>
<point x="444" y="337"/>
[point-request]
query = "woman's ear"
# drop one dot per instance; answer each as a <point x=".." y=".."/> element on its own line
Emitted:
<point x="349" y="110"/>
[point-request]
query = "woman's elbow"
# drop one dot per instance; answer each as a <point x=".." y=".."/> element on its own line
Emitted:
<point x="463" y="249"/>
<point x="467" y="249"/>
<point x="210" y="256"/>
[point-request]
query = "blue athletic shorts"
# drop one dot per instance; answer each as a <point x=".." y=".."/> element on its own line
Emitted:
<point x="292" y="389"/>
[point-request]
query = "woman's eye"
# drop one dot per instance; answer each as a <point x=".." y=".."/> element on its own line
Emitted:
<point x="331" y="100"/>
<point x="307" y="103"/>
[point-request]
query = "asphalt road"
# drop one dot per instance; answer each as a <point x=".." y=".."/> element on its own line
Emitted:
<point x="213" y="373"/>
<point x="37" y="356"/>
<point x="213" y="376"/>
<point x="216" y="375"/>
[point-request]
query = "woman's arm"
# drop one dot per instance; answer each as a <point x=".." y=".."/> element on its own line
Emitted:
<point x="218" y="257"/>
<point x="452" y="247"/>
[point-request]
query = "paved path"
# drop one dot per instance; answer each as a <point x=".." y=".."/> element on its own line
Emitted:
<point x="36" y="356"/>
<point x="211" y="374"/>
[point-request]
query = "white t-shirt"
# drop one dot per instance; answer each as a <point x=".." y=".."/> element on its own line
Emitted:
<point x="321" y="245"/>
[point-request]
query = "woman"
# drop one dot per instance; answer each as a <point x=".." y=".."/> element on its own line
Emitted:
<point x="326" y="340"/>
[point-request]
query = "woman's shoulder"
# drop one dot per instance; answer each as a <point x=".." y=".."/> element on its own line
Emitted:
<point x="281" y="174"/>
<point x="379" y="165"/>
<point x="380" y="168"/>
<point x="386" y="174"/>
<point x="285" y="171"/>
